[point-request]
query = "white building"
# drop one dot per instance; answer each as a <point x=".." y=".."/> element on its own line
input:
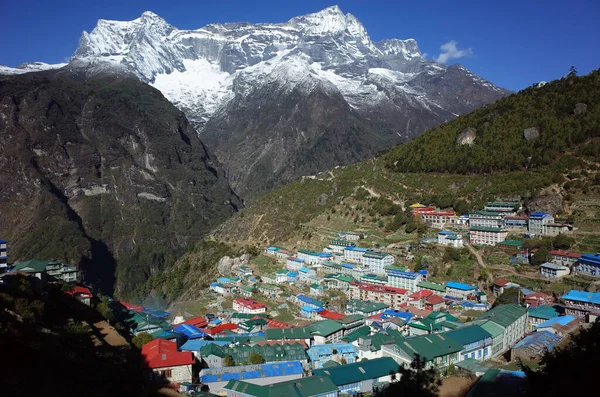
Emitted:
<point x="312" y="257"/>
<point x="507" y="207"/>
<point x="294" y="264"/>
<point x="449" y="238"/>
<point x="405" y="280"/>
<point x="354" y="254"/>
<point x="486" y="219"/>
<point x="376" y="261"/>
<point x="249" y="306"/>
<point x="479" y="235"/>
<point x="438" y="219"/>
<point x="538" y="222"/>
<point x="553" y="271"/>
<point x="338" y="246"/>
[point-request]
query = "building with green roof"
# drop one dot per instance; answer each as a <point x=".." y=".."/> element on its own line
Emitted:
<point x="303" y="333"/>
<point x="326" y="331"/>
<point x="365" y="308"/>
<point x="353" y="336"/>
<point x="369" y="346"/>
<point x="540" y="314"/>
<point x="351" y="321"/>
<point x="213" y="355"/>
<point x="434" y="322"/>
<point x="338" y="281"/>
<point x="52" y="270"/>
<point x="435" y="349"/>
<point x="362" y="376"/>
<point x="511" y="317"/>
<point x="476" y="342"/>
<point x="438" y="289"/>
<point x="312" y="386"/>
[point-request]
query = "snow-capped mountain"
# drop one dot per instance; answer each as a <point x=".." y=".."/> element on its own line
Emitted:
<point x="30" y="67"/>
<point x="224" y="75"/>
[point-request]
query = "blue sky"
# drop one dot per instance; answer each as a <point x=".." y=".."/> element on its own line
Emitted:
<point x="511" y="43"/>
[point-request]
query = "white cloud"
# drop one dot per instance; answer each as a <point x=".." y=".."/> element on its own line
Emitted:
<point x="450" y="51"/>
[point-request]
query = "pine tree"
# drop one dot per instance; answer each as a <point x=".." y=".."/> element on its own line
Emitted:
<point x="415" y="381"/>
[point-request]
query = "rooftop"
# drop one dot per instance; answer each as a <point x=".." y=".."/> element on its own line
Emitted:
<point x="359" y="371"/>
<point x="429" y="346"/>
<point x="539" y="342"/>
<point x="583" y="296"/>
<point x="544" y="312"/>
<point x="460" y="286"/>
<point x="505" y="315"/>
<point x="304" y="387"/>
<point x="432" y="286"/>
<point x="486" y="229"/>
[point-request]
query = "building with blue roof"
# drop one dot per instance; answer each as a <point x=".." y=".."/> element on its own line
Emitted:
<point x="194" y="345"/>
<point x="588" y="264"/>
<point x="538" y="222"/>
<point x="259" y="374"/>
<point x="459" y="290"/>
<point x="405" y="280"/>
<point x="294" y="264"/>
<point x="534" y="345"/>
<point x="320" y="354"/>
<point x="354" y="254"/>
<point x="189" y="331"/>
<point x="561" y="320"/>
<point x="582" y="304"/>
<point x="406" y="316"/>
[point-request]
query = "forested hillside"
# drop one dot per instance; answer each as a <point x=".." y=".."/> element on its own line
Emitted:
<point x="529" y="129"/>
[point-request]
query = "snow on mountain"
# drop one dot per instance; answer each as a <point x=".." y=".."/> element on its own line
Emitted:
<point x="201" y="70"/>
<point x="30" y="67"/>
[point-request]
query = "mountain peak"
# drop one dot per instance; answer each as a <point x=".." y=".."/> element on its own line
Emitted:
<point x="330" y="20"/>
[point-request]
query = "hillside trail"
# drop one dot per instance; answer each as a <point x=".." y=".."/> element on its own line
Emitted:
<point x="377" y="195"/>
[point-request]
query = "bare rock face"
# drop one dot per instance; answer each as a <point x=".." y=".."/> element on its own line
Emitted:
<point x="531" y="134"/>
<point x="227" y="264"/>
<point x="580" y="108"/>
<point x="467" y="136"/>
<point x="548" y="201"/>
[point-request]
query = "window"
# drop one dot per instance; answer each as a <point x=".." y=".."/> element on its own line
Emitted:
<point x="166" y="373"/>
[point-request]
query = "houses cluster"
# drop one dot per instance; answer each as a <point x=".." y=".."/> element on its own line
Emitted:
<point x="491" y="225"/>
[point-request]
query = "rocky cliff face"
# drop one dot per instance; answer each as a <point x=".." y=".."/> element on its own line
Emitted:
<point x="106" y="173"/>
<point x="262" y="96"/>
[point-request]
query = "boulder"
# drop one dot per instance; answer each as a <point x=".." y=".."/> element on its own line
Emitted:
<point x="580" y="108"/>
<point x="531" y="134"/>
<point x="467" y="136"/>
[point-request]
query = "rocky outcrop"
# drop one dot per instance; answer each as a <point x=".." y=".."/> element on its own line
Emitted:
<point x="580" y="108"/>
<point x="531" y="134"/>
<point x="548" y="201"/>
<point x="106" y="174"/>
<point x="227" y="264"/>
<point x="467" y="136"/>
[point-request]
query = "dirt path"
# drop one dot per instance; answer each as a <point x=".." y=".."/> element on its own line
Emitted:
<point x="377" y="195"/>
<point x="109" y="334"/>
<point x="454" y="386"/>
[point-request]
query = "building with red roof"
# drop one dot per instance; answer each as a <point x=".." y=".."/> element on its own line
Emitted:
<point x="435" y="303"/>
<point x="199" y="322"/>
<point x="565" y="258"/>
<point x="219" y="329"/>
<point x="81" y="293"/>
<point x="538" y="299"/>
<point x="162" y="361"/>
<point x="417" y="299"/>
<point x="498" y="286"/>
<point x="248" y="305"/>
<point x="132" y="307"/>
<point x="331" y="315"/>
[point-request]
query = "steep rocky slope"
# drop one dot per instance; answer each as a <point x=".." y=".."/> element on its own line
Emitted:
<point x="275" y="101"/>
<point x="106" y="173"/>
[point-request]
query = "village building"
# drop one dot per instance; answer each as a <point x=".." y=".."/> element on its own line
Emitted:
<point x="81" y="293"/>
<point x="338" y="246"/>
<point x="553" y="271"/>
<point x="476" y="342"/>
<point x="221" y="289"/>
<point x="437" y="289"/>
<point x="312" y="386"/>
<point x="361" y="377"/>
<point x="256" y="374"/>
<point x="565" y="258"/>
<point x="248" y="305"/>
<point x="3" y="255"/>
<point x="450" y="238"/>
<point x="561" y="326"/>
<point x="540" y="314"/>
<point x="320" y="354"/>
<point x="459" y="290"/>
<point x="268" y="289"/>
<point x="506" y="207"/>
<point x="277" y="252"/>
<point x="305" y="274"/>
<point x="376" y="261"/>
<point x="393" y="297"/>
<point x="512" y="318"/>
<point x="486" y="219"/>
<point x="372" y="278"/>
<point x="303" y="300"/>
<point x="538" y="299"/>
<point x="337" y="281"/>
<point x="538" y="222"/>
<point x="515" y="222"/>
<point x="352" y="236"/>
<point x="479" y="235"/>
<point x="365" y="308"/>
<point x="434" y="322"/>
<point x="354" y="254"/>
<point x="316" y="290"/>
<point x="435" y="349"/>
<point x="437" y="219"/>
<point x="312" y="257"/>
<point x="534" y="346"/>
<point x="48" y="270"/>
<point x="588" y="264"/>
<point x="554" y="229"/>
<point x="499" y="285"/>
<point x="326" y="331"/>
<point x="404" y="280"/>
<point x="294" y="264"/>
<point x="582" y="304"/>
<point x="162" y="361"/>
<point x="510" y="245"/>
